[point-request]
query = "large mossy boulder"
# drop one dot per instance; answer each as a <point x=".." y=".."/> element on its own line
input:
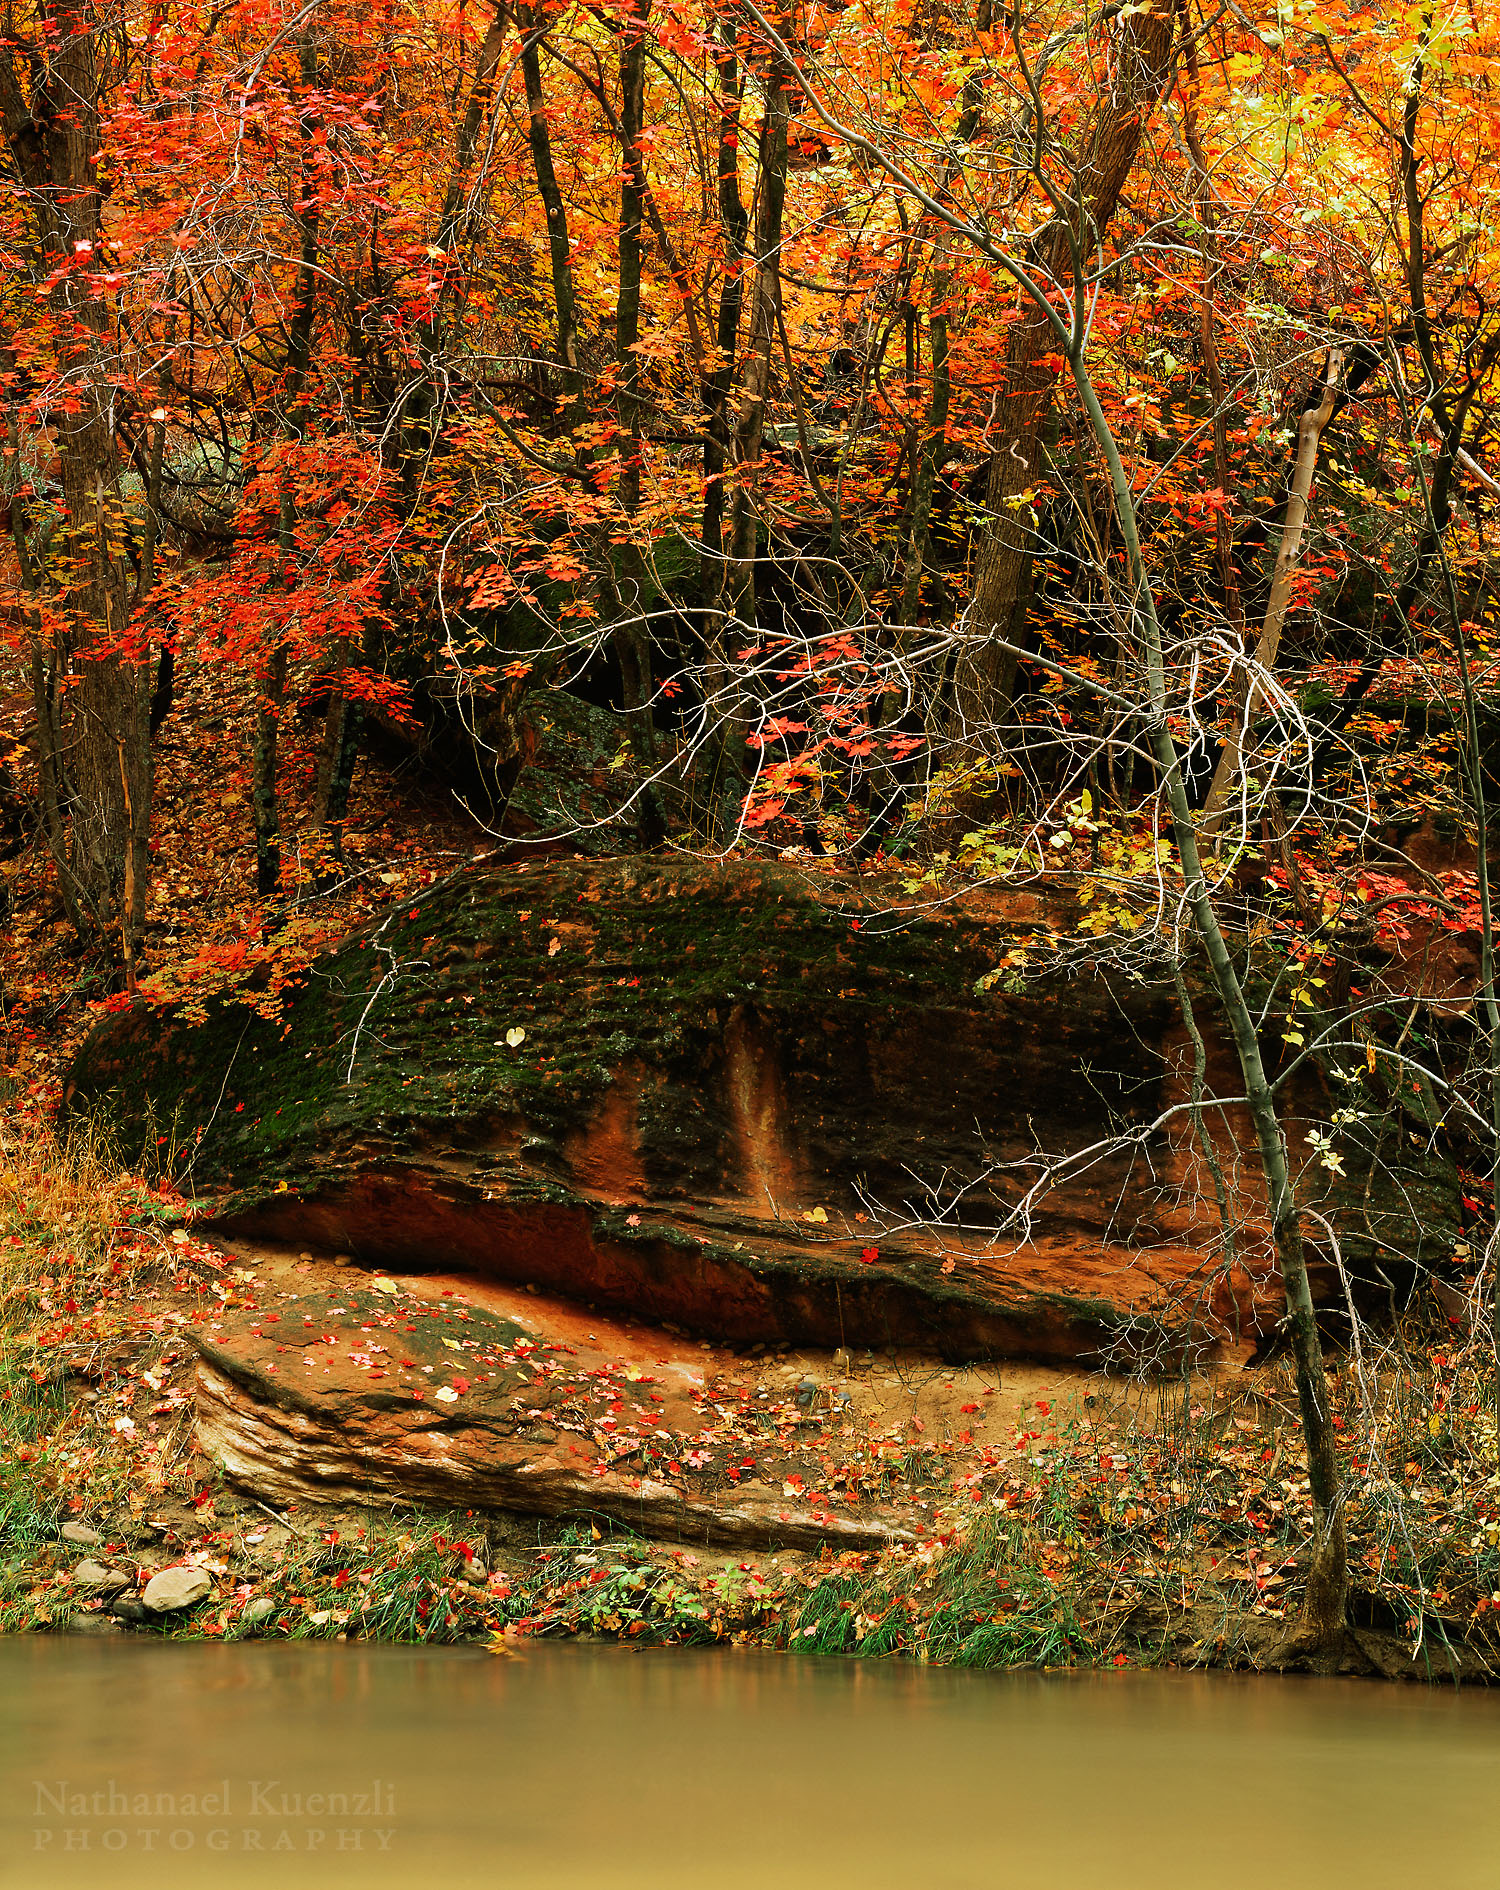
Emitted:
<point x="733" y="1098"/>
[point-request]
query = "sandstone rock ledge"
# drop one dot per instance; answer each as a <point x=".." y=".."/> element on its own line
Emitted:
<point x="368" y="1397"/>
<point x="751" y="1104"/>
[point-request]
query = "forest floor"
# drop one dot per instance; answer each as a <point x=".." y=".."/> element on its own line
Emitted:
<point x="1071" y="1518"/>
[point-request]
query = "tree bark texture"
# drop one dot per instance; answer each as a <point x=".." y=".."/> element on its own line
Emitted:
<point x="564" y="294"/>
<point x="103" y="791"/>
<point x="735" y="224"/>
<point x="1140" y="59"/>
<point x="630" y="637"/>
<point x="755" y="375"/>
<point x="264" y="799"/>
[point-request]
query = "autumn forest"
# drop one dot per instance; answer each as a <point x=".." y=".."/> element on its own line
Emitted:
<point x="955" y="541"/>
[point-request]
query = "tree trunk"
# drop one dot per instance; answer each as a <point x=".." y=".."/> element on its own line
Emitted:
<point x="1446" y="397"/>
<point x="631" y="640"/>
<point x="934" y="444"/>
<point x="47" y="663"/>
<point x="985" y="678"/>
<point x="564" y="295"/>
<point x="108" y="775"/>
<point x="265" y="804"/>
<point x="930" y="458"/>
<point x="337" y="757"/>
<point x="415" y="433"/>
<point x="105" y="794"/>
<point x="264" y="801"/>
<point x="476" y="113"/>
<point x="1326" y="1595"/>
<point x="738" y="613"/>
<point x="735" y="224"/>
<point x="1208" y="339"/>
<point x="1310" y="431"/>
<point x="755" y="378"/>
<point x="53" y="793"/>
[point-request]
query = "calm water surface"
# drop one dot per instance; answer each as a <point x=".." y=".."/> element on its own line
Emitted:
<point x="336" y="1766"/>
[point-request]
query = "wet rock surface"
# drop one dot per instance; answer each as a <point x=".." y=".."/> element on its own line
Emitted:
<point x="89" y="1624"/>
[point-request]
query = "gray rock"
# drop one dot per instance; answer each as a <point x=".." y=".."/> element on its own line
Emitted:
<point x="89" y="1624"/>
<point x="95" y="1579"/>
<point x="128" y="1608"/>
<point x="81" y="1533"/>
<point x="476" y="1573"/>
<point x="176" y="1588"/>
<point x="261" y="1609"/>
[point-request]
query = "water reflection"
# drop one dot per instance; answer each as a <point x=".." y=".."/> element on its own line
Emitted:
<point x="147" y="1765"/>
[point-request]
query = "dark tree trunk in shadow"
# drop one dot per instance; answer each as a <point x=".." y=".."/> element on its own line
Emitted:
<point x="630" y="636"/>
<point x="264" y="799"/>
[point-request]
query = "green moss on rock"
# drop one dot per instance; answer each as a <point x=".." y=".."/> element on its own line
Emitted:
<point x="676" y="1086"/>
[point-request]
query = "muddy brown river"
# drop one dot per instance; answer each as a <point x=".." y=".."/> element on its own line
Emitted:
<point x="138" y="1764"/>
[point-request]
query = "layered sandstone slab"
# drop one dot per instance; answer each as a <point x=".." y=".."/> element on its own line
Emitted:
<point x="367" y="1397"/>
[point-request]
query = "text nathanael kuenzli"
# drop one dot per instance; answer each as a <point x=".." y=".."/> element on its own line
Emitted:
<point x="242" y="1815"/>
